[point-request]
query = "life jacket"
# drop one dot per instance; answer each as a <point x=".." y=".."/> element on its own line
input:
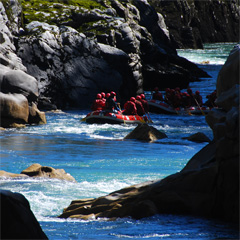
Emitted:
<point x="198" y="100"/>
<point x="130" y="108"/>
<point x="111" y="104"/>
<point x="145" y="105"/>
<point x="177" y="100"/>
<point x="140" y="109"/>
<point x="97" y="105"/>
<point x="186" y="101"/>
<point x="157" y="96"/>
<point x="103" y="103"/>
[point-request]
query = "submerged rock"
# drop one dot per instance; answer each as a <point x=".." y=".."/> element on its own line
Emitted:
<point x="198" y="137"/>
<point x="17" y="219"/>
<point x="144" y="132"/>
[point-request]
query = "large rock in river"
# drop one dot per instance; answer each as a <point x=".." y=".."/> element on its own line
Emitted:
<point x="36" y="170"/>
<point x="17" y="219"/>
<point x="144" y="132"/>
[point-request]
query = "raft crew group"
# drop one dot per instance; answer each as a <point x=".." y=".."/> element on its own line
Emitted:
<point x="139" y="105"/>
<point x="177" y="99"/>
<point x="135" y="106"/>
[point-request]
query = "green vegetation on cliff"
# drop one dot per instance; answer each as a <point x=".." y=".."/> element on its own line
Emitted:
<point x="56" y="11"/>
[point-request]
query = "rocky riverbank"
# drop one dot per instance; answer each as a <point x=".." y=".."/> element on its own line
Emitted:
<point x="207" y="186"/>
<point x="75" y="50"/>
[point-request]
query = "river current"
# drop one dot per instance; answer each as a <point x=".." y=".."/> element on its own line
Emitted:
<point x="101" y="162"/>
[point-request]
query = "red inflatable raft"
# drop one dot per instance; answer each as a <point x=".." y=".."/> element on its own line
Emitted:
<point x="113" y="118"/>
<point x="162" y="107"/>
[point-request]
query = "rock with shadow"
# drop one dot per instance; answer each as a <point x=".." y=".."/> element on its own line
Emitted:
<point x="144" y="132"/>
<point x="17" y="219"/>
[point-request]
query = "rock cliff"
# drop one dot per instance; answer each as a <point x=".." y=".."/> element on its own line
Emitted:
<point x="192" y="23"/>
<point x="77" y="49"/>
<point x="207" y="186"/>
<point x="18" y="90"/>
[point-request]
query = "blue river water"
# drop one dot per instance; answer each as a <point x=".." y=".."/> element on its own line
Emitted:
<point x="101" y="162"/>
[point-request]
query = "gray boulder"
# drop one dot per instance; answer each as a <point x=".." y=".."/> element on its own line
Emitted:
<point x="17" y="81"/>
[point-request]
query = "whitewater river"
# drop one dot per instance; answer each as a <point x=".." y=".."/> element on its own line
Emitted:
<point x="101" y="162"/>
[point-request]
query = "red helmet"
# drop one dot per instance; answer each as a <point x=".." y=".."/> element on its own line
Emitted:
<point x="108" y="95"/>
<point x="113" y="94"/>
<point x="133" y="99"/>
<point x="142" y="96"/>
<point x="189" y="90"/>
<point x="177" y="89"/>
<point x="167" y="90"/>
<point x="99" y="96"/>
<point x="156" y="89"/>
<point x="197" y="92"/>
<point x="138" y="97"/>
<point x="103" y="94"/>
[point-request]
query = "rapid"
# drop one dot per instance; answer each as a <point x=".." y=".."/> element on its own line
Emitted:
<point x="102" y="162"/>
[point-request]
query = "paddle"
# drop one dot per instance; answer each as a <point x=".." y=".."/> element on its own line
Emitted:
<point x="199" y="106"/>
<point x="150" y="120"/>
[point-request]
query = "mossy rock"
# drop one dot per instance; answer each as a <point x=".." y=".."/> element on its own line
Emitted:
<point x="56" y="11"/>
